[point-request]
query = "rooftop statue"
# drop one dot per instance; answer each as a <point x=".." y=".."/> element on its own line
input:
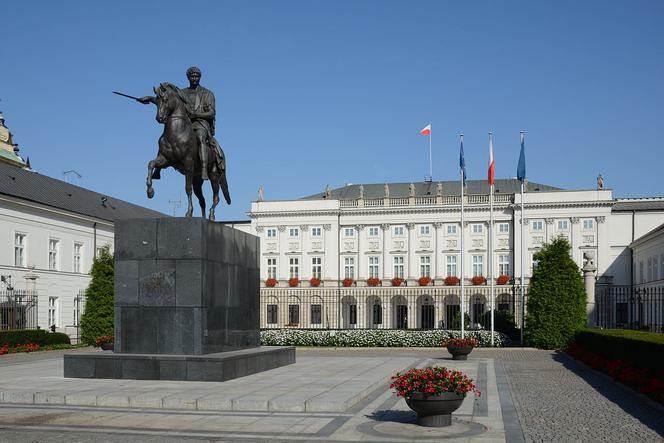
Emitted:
<point x="188" y="143"/>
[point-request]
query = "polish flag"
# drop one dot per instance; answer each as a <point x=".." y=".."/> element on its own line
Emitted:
<point x="490" y="161"/>
<point x="426" y="130"/>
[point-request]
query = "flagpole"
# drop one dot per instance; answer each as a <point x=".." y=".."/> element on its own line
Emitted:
<point x="430" y="167"/>
<point x="462" y="173"/>
<point x="523" y="222"/>
<point x="491" y="240"/>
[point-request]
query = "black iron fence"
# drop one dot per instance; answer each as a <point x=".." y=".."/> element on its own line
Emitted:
<point x="630" y="307"/>
<point x="18" y="309"/>
<point x="428" y="307"/>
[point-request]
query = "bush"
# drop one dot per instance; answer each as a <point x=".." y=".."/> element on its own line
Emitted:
<point x="40" y="337"/>
<point x="456" y="321"/>
<point x="374" y="337"/>
<point x="641" y="349"/>
<point x="503" y="321"/>
<point x="98" y="318"/>
<point x="556" y="298"/>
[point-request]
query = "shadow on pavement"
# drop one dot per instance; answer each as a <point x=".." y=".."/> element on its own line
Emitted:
<point x="636" y="405"/>
<point x="393" y="416"/>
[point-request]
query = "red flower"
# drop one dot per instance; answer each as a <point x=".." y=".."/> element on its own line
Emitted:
<point x="451" y="280"/>
<point x="271" y="282"/>
<point x="293" y="282"/>
<point x="315" y="282"/>
<point x="347" y="282"/>
<point x="503" y="279"/>
<point x="478" y="280"/>
<point x="424" y="281"/>
<point x="373" y="281"/>
<point x="396" y="281"/>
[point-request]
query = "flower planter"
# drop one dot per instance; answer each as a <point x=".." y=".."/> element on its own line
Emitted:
<point x="108" y="346"/>
<point x="435" y="410"/>
<point x="459" y="352"/>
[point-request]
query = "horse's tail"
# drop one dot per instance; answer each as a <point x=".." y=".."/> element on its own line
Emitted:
<point x="224" y="186"/>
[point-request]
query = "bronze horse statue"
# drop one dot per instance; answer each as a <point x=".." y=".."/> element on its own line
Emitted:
<point x="178" y="147"/>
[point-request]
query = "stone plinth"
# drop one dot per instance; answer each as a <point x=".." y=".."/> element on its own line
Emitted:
<point x="222" y="366"/>
<point x="185" y="286"/>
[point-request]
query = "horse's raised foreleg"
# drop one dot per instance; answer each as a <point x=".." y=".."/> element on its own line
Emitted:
<point x="187" y="188"/>
<point x="198" y="190"/>
<point x="154" y="166"/>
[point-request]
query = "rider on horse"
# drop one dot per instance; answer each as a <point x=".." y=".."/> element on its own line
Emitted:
<point x="201" y="110"/>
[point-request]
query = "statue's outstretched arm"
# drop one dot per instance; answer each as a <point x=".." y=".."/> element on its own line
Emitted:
<point x="148" y="99"/>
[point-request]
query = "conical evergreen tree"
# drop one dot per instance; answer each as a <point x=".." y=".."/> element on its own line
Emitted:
<point x="97" y="320"/>
<point x="556" y="298"/>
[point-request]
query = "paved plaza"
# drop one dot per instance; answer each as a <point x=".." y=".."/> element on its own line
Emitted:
<point x="337" y="395"/>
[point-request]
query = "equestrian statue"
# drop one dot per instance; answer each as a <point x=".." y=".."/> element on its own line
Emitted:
<point x="188" y="143"/>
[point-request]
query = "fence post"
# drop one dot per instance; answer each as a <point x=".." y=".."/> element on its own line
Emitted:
<point x="589" y="278"/>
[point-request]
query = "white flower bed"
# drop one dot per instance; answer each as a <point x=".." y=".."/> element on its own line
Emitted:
<point x="374" y="337"/>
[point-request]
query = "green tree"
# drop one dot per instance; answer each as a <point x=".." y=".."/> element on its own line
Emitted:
<point x="456" y="321"/>
<point x="556" y="298"/>
<point x="98" y="318"/>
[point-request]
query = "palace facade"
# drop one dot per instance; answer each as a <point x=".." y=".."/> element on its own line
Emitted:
<point x="354" y="257"/>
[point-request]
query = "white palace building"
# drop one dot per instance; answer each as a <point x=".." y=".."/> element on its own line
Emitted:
<point x="353" y="241"/>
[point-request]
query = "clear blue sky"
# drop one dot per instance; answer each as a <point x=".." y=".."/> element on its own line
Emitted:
<point x="313" y="92"/>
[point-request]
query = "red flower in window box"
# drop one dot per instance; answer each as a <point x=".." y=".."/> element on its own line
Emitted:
<point x="452" y="280"/>
<point x="293" y="282"/>
<point x="347" y="282"/>
<point x="396" y="281"/>
<point x="424" y="281"/>
<point x="315" y="282"/>
<point x="271" y="282"/>
<point x="503" y="279"/>
<point x="373" y="281"/>
<point x="478" y="280"/>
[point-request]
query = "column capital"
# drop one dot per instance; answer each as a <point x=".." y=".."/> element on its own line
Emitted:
<point x="385" y="226"/>
<point x="600" y="219"/>
<point x="549" y="220"/>
<point x="281" y="228"/>
<point x="574" y="220"/>
<point x="327" y="227"/>
<point x="359" y="227"/>
<point x="304" y="228"/>
<point x="410" y="226"/>
<point x="259" y="229"/>
<point x="437" y="225"/>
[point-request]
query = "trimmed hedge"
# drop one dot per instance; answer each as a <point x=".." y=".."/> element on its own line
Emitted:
<point x="374" y="337"/>
<point x="36" y="336"/>
<point x="641" y="349"/>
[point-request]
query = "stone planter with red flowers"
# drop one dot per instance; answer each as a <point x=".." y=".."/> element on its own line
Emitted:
<point x="314" y="282"/>
<point x="294" y="282"/>
<point x="503" y="280"/>
<point x="460" y="347"/>
<point x="347" y="282"/>
<point x="373" y="281"/>
<point x="396" y="281"/>
<point x="478" y="280"/>
<point x="271" y="282"/>
<point x="452" y="280"/>
<point x="433" y="392"/>
<point x="424" y="281"/>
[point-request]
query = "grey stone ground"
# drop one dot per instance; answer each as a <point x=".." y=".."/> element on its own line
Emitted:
<point x="527" y="394"/>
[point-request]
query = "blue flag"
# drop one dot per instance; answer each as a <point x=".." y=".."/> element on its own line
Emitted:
<point x="462" y="162"/>
<point x="521" y="169"/>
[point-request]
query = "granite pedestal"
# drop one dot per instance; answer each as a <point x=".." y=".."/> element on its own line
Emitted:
<point x="183" y="287"/>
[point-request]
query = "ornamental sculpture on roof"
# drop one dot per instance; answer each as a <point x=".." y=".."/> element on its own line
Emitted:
<point x="188" y="143"/>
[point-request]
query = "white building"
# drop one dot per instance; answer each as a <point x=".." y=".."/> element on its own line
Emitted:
<point x="413" y="230"/>
<point x="49" y="231"/>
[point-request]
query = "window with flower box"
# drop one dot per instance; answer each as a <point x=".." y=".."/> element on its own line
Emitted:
<point x="317" y="267"/>
<point x="294" y="267"/>
<point x="398" y="266"/>
<point x="478" y="265"/>
<point x="272" y="267"/>
<point x="451" y="265"/>
<point x="425" y="266"/>
<point x="373" y="267"/>
<point x="503" y="264"/>
<point x="349" y="267"/>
